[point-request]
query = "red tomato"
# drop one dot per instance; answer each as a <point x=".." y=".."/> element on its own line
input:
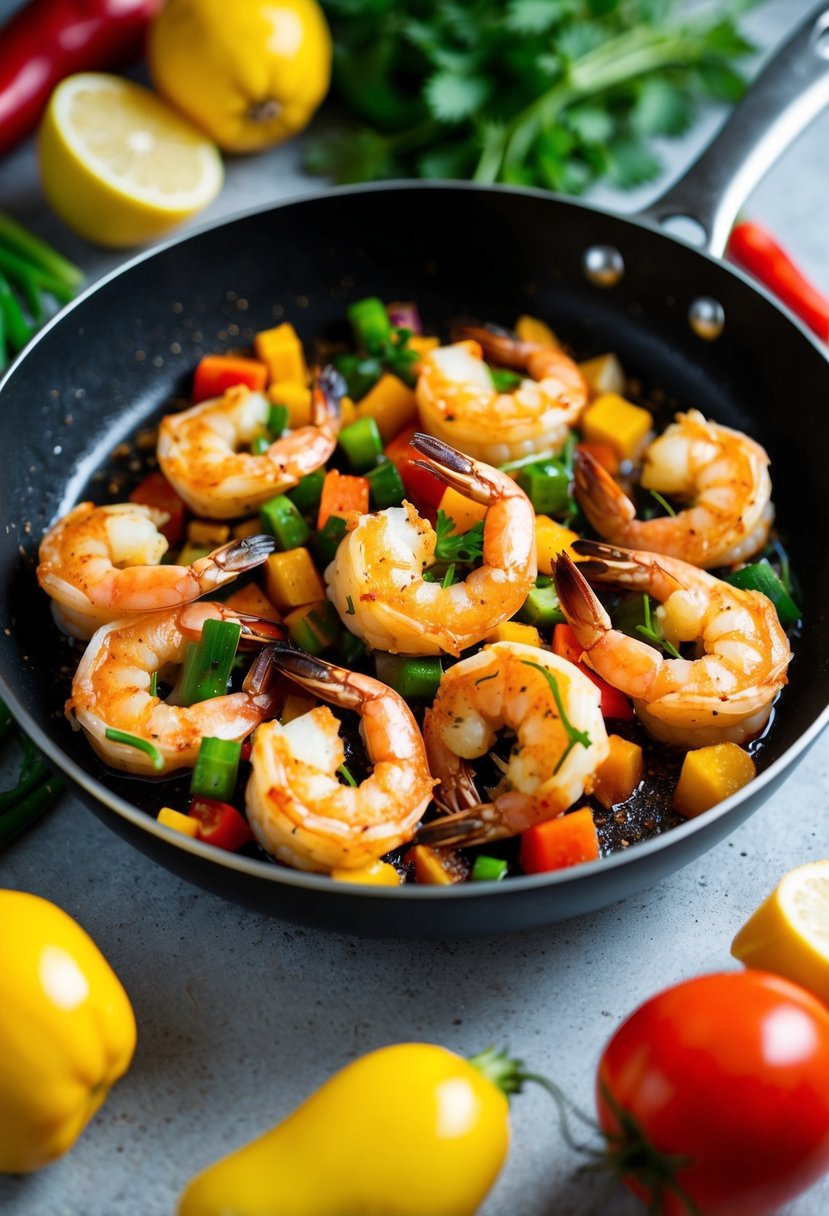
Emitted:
<point x="728" y="1075"/>
<point x="220" y="824"/>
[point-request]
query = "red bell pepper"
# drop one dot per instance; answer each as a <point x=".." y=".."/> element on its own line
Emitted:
<point x="156" y="491"/>
<point x="422" y="487"/>
<point x="558" y="843"/>
<point x="47" y="40"/>
<point x="614" y="704"/>
<point x="216" y="373"/>
<point x="220" y="824"/>
<point x="756" y="250"/>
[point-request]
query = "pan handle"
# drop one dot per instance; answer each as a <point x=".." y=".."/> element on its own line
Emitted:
<point x="790" y="91"/>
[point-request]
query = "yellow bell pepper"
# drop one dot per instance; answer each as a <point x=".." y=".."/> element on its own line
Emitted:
<point x="409" y="1130"/>
<point x="67" y="1031"/>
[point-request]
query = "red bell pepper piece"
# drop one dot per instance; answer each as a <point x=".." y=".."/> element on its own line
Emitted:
<point x="216" y="373"/>
<point x="756" y="250"/>
<point x="220" y="824"/>
<point x="156" y="491"/>
<point x="422" y="487"/>
<point x="558" y="843"/>
<point x="614" y="704"/>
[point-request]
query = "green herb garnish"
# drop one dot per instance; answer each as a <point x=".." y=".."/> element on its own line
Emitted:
<point x="452" y="546"/>
<point x="142" y="745"/>
<point x="575" y="736"/>
<point x="649" y="631"/>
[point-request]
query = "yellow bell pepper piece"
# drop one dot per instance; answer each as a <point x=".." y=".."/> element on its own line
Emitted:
<point x="436" y="867"/>
<point x="377" y="874"/>
<point x="463" y="512"/>
<point x="340" y="1151"/>
<point x="604" y="374"/>
<point x="613" y="420"/>
<point x="422" y="344"/>
<point x="552" y="538"/>
<point x="247" y="527"/>
<point x="515" y="631"/>
<point x="188" y="825"/>
<point x="391" y="404"/>
<point x="296" y="397"/>
<point x="207" y="532"/>
<point x="295" y="705"/>
<point x="535" y="331"/>
<point x="252" y="599"/>
<point x="281" y="351"/>
<point x="619" y="773"/>
<point x="291" y="579"/>
<point x="67" y="1031"/>
<point x="710" y="774"/>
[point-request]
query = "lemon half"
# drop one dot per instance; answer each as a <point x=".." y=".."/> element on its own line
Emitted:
<point x="789" y="932"/>
<point x="118" y="164"/>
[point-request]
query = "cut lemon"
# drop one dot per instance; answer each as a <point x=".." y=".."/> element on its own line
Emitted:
<point x="789" y="932"/>
<point x="118" y="165"/>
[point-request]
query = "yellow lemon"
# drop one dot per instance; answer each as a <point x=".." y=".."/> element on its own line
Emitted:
<point x="789" y="932"/>
<point x="118" y="164"/>
<point x="250" y="73"/>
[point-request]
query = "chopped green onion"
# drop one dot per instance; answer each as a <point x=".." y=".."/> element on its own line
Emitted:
<point x="361" y="373"/>
<point x="21" y="272"/>
<point x="153" y="689"/>
<point x="278" y="417"/>
<point x="346" y="775"/>
<point x="504" y="380"/>
<point x="547" y="485"/>
<point x="208" y="663"/>
<point x="316" y="630"/>
<point x="575" y="736"/>
<point x="541" y="607"/>
<point x="37" y="252"/>
<point x="326" y="541"/>
<point x="760" y="576"/>
<point x="488" y="869"/>
<point x="663" y="502"/>
<point x="370" y="323"/>
<point x="385" y="486"/>
<point x="282" y="520"/>
<point x="307" y="492"/>
<point x="16" y="327"/>
<point x="653" y="635"/>
<point x="351" y="610"/>
<point x="362" y="443"/>
<point x="141" y="745"/>
<point x="216" y="769"/>
<point x="449" y="577"/>
<point x="415" y="679"/>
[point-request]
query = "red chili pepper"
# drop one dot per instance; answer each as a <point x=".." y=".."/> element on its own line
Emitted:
<point x="47" y="40"/>
<point x="156" y="491"/>
<point x="220" y="824"/>
<point x="755" y="249"/>
<point x="614" y="704"/>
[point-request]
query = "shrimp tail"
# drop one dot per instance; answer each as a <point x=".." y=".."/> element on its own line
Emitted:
<point x="609" y="566"/>
<point x="329" y="681"/>
<point x="455" y="469"/>
<point x="463" y="828"/>
<point x="579" y="604"/>
<point x="608" y="509"/>
<point x="497" y="342"/>
<point x="236" y="557"/>
<point x="329" y="388"/>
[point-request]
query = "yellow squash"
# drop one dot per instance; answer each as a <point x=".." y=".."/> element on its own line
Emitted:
<point x="250" y="73"/>
<point x="409" y="1130"/>
<point x="67" y="1031"/>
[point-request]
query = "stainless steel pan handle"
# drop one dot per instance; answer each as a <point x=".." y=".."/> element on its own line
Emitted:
<point x="790" y="91"/>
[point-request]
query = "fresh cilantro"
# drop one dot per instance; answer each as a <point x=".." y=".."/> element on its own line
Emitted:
<point x="452" y="546"/>
<point x="555" y="93"/>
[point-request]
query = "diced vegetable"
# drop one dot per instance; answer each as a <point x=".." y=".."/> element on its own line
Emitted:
<point x="189" y="553"/>
<point x="514" y="631"/>
<point x="207" y="532"/>
<point x="416" y="679"/>
<point x="620" y="772"/>
<point x="710" y="774"/>
<point x="291" y="579"/>
<point x="391" y="404"/>
<point x="405" y="316"/>
<point x="552" y="538"/>
<point x="604" y="374"/>
<point x="281" y="352"/>
<point x="362" y="444"/>
<point x="307" y="492"/>
<point x="761" y="576"/>
<point x="535" y="331"/>
<point x="614" y="704"/>
<point x="547" y="485"/>
<point x="437" y="867"/>
<point x="370" y="323"/>
<point x="342" y="494"/>
<point x="377" y="874"/>
<point x="611" y="419"/>
<point x="326" y="540"/>
<point x="385" y="486"/>
<point x="422" y="344"/>
<point x="141" y="745"/>
<point x="603" y="453"/>
<point x="281" y="519"/>
<point x="558" y="843"/>
<point x="155" y="491"/>
<point x="186" y="824"/>
<point x="252" y="599"/>
<point x="216" y="768"/>
<point x="296" y="704"/>
<point x="421" y="486"/>
<point x="541" y="607"/>
<point x="488" y="869"/>
<point x="215" y="374"/>
<point x="220" y="824"/>
<point x="246" y="528"/>
<point x="314" y="628"/>
<point x="279" y="418"/>
<point x="295" y="396"/>
<point x="462" y="511"/>
<point x="208" y="662"/>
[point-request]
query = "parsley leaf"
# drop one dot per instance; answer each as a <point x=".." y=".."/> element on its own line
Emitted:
<point x="452" y="546"/>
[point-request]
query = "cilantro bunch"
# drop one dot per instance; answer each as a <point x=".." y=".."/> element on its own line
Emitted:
<point x="550" y="93"/>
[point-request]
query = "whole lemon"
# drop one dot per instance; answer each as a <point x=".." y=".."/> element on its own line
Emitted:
<point x="250" y="73"/>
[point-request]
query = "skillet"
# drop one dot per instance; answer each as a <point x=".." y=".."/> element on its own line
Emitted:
<point x="678" y="318"/>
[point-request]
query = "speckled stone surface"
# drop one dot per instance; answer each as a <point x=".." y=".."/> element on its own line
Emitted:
<point x="240" y="1017"/>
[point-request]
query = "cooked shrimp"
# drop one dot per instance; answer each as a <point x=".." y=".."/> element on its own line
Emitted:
<point x="376" y="579"/>
<point x="111" y="689"/>
<point x="722" y="472"/>
<point x="99" y="564"/>
<point x="458" y="402"/>
<point x="201" y="449"/>
<point x="299" y="811"/>
<point x="560" y="739"/>
<point x="726" y="694"/>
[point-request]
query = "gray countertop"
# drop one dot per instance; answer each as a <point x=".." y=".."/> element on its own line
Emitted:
<point x="240" y="1017"/>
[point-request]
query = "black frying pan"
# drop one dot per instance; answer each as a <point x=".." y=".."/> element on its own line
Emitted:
<point x="109" y="363"/>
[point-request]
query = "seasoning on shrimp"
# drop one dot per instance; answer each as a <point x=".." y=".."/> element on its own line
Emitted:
<point x="299" y="811"/>
<point x="112" y="690"/>
<point x="459" y="403"/>
<point x="725" y="695"/>
<point x="202" y="450"/>
<point x="721" y="472"/>
<point x="560" y="740"/>
<point x="376" y="579"/>
<point x="99" y="564"/>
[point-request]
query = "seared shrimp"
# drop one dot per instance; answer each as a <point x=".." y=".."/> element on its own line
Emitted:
<point x="458" y="402"/>
<point x="560" y="739"/>
<point x="99" y="564"/>
<point x="111" y="689"/>
<point x="376" y="578"/>
<point x="299" y="811"/>
<point x="723" y="473"/>
<point x="200" y="449"/>
<point x="726" y="694"/>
